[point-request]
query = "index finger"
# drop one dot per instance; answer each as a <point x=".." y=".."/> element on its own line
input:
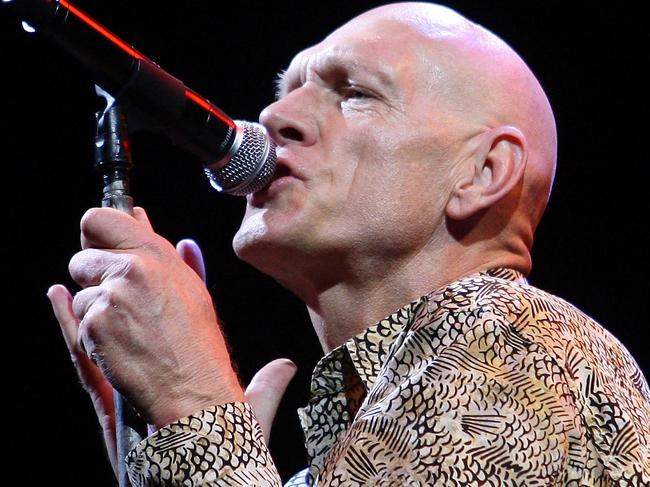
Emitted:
<point x="108" y="228"/>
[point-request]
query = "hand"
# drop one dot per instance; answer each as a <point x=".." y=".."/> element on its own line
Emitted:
<point x="267" y="387"/>
<point x="264" y="392"/>
<point x="146" y="319"/>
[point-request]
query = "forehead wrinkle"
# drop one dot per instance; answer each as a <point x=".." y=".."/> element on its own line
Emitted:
<point x="352" y="61"/>
<point x="323" y="61"/>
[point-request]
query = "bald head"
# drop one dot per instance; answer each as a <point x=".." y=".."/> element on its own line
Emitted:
<point x="484" y="82"/>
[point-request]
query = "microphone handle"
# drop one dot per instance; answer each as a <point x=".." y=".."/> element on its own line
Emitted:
<point x="113" y="160"/>
<point x="127" y="435"/>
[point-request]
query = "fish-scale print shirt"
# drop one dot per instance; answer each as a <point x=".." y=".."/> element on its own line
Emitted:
<point x="486" y="381"/>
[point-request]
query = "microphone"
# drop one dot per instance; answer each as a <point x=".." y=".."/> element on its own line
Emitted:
<point x="238" y="157"/>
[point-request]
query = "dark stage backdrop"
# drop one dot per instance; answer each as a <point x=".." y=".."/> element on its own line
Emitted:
<point x="591" y="247"/>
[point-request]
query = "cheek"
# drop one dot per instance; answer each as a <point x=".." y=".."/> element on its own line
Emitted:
<point x="398" y="182"/>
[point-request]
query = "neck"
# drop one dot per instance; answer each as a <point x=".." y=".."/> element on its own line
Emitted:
<point x="344" y="309"/>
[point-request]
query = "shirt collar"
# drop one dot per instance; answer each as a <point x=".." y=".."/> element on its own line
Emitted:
<point x="368" y="349"/>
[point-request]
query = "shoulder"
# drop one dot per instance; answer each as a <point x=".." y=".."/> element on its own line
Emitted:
<point x="488" y="345"/>
<point x="534" y="314"/>
<point x="511" y="317"/>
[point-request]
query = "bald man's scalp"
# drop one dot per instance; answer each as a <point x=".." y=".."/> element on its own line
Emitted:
<point x="487" y="84"/>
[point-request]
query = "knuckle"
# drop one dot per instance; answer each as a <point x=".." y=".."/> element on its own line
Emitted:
<point x="83" y="340"/>
<point x="77" y="265"/>
<point x="89" y="335"/>
<point x="89" y="219"/>
<point x="85" y="332"/>
<point x="86" y="266"/>
<point x="93" y="267"/>
<point x="131" y="266"/>
<point x="79" y="305"/>
<point x="96" y="298"/>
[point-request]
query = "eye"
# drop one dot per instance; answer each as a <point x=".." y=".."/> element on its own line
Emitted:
<point x="351" y="92"/>
<point x="354" y="92"/>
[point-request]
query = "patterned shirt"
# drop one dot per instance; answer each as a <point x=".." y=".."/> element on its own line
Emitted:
<point x="486" y="381"/>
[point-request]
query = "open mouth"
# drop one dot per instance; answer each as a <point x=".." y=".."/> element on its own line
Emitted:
<point x="282" y="172"/>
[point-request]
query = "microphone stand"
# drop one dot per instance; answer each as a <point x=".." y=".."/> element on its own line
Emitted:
<point x="114" y="162"/>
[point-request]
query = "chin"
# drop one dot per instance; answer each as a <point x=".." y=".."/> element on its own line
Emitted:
<point x="259" y="237"/>
<point x="249" y="235"/>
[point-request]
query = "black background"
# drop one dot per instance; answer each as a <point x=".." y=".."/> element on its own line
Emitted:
<point x="591" y="247"/>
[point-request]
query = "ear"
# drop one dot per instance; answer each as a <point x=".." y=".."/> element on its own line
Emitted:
<point x="495" y="167"/>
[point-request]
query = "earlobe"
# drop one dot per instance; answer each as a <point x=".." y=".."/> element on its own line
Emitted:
<point x="495" y="168"/>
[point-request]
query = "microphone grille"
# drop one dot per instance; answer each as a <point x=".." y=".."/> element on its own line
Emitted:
<point x="251" y="162"/>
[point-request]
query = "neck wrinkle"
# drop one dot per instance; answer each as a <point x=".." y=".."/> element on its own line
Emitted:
<point x="346" y="309"/>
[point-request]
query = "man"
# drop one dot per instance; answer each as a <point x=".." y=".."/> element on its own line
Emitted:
<point x="416" y="154"/>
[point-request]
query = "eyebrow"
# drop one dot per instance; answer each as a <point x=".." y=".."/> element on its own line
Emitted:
<point x="334" y="61"/>
<point x="279" y="83"/>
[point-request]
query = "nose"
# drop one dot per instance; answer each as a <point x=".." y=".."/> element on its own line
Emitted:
<point x="289" y="120"/>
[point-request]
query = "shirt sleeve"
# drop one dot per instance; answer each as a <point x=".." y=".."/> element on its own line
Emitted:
<point x="222" y="445"/>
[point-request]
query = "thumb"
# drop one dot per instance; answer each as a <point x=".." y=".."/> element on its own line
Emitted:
<point x="191" y="254"/>
<point x="266" y="389"/>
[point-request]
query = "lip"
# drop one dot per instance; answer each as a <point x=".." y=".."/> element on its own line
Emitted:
<point x="282" y="176"/>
